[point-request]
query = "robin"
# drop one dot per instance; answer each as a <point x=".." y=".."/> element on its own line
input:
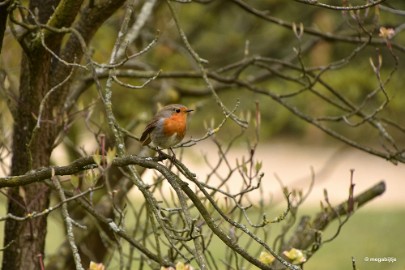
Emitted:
<point x="167" y="128"/>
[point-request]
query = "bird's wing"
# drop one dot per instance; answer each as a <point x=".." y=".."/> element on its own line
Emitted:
<point x="145" y="137"/>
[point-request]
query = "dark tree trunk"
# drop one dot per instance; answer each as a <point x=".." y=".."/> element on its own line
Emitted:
<point x="30" y="150"/>
<point x="32" y="146"/>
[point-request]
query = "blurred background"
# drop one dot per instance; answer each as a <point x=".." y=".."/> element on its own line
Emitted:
<point x="291" y="149"/>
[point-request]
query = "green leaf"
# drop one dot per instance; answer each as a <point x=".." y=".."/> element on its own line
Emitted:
<point x="258" y="166"/>
<point x="75" y="181"/>
<point x="111" y="154"/>
<point x="97" y="158"/>
<point x="266" y="258"/>
<point x="90" y="178"/>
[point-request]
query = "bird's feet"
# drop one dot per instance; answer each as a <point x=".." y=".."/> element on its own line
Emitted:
<point x="173" y="157"/>
<point x="162" y="155"/>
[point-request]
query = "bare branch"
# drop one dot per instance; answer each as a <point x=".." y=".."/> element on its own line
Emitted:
<point x="69" y="223"/>
<point x="311" y="31"/>
<point x="305" y="235"/>
<point x="200" y="63"/>
<point x="344" y="8"/>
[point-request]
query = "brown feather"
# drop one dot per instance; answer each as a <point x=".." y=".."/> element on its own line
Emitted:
<point x="170" y="120"/>
<point x="145" y="137"/>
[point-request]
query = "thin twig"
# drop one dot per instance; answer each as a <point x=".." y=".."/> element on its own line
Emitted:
<point x="341" y="8"/>
<point x="200" y="62"/>
<point x="69" y="223"/>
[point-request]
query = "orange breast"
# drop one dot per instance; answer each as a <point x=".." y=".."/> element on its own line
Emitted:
<point x="175" y="124"/>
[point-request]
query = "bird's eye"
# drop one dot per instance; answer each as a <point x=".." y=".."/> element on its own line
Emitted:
<point x="177" y="110"/>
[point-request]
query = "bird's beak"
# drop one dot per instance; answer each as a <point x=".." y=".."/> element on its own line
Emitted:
<point x="189" y="110"/>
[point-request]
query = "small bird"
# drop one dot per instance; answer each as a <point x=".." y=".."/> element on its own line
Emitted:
<point x="167" y="128"/>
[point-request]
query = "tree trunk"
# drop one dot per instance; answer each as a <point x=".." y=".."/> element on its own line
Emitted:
<point x="30" y="150"/>
<point x="32" y="145"/>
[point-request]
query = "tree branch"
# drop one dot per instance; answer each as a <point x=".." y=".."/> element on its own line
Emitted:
<point x="326" y="36"/>
<point x="344" y="8"/>
<point x="305" y="234"/>
<point x="64" y="14"/>
<point x="69" y="224"/>
<point x="42" y="174"/>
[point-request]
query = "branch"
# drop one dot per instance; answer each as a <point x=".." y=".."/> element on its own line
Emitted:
<point x="90" y="19"/>
<point x="3" y="20"/>
<point x="65" y="13"/>
<point x="394" y="157"/>
<point x="200" y="62"/>
<point x="210" y="221"/>
<point x="320" y="221"/>
<point x="49" y="209"/>
<point x="135" y="29"/>
<point x="42" y="174"/>
<point x="305" y="235"/>
<point x="69" y="224"/>
<point x="88" y="163"/>
<point x="342" y="8"/>
<point x="326" y="36"/>
<point x="130" y="239"/>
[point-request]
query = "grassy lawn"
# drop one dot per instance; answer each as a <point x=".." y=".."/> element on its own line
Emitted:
<point x="375" y="233"/>
<point x="369" y="233"/>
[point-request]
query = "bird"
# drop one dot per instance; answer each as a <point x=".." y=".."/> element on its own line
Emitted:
<point x="167" y="128"/>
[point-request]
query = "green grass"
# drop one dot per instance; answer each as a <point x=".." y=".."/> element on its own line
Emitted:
<point x="375" y="233"/>
<point x="369" y="233"/>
